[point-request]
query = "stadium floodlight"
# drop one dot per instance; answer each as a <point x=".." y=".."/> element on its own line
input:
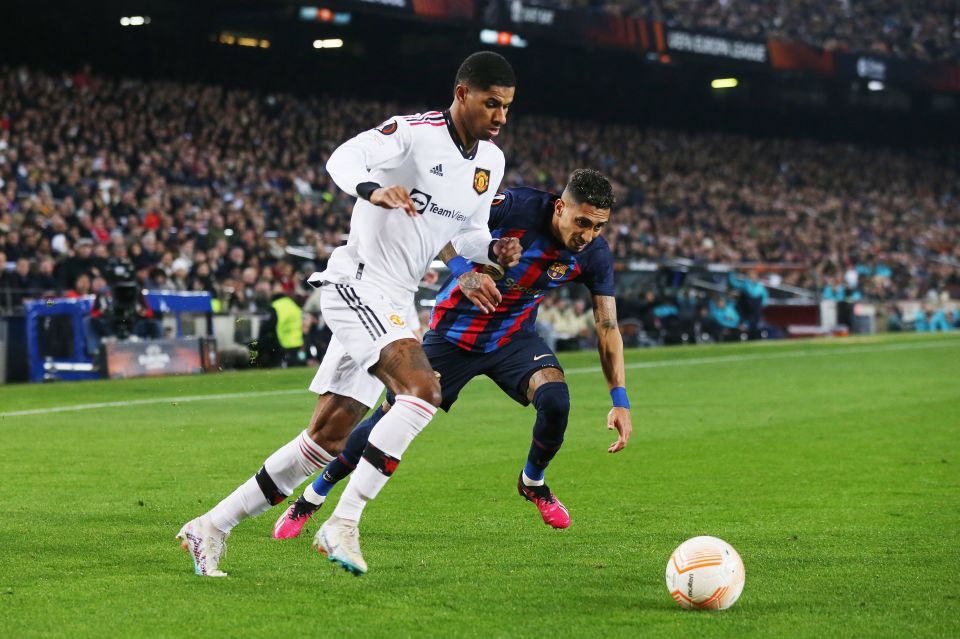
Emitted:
<point x="502" y="38"/>
<point x="724" y="83"/>
<point x="875" y="85"/>
<point x="134" y="21"/>
<point x="330" y="43"/>
<point x="317" y="14"/>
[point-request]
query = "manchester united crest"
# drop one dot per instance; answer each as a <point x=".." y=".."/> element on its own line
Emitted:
<point x="481" y="181"/>
<point x="397" y="321"/>
<point x="557" y="270"/>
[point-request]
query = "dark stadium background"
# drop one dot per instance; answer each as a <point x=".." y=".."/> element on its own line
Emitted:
<point x="410" y="60"/>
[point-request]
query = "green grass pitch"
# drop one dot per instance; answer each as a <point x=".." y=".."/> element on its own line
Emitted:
<point x="833" y="467"/>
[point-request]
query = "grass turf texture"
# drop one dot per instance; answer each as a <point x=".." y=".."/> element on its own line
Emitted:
<point x="831" y="466"/>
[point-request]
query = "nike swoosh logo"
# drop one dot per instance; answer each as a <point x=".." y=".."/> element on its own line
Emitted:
<point x="539" y="357"/>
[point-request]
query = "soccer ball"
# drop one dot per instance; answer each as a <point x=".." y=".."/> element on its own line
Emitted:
<point x="705" y="573"/>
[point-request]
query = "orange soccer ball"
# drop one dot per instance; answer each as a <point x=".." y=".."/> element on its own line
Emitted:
<point x="705" y="573"/>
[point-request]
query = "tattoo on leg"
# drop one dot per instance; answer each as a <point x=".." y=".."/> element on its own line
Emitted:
<point x="401" y="360"/>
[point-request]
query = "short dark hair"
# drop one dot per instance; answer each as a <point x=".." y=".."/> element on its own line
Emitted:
<point x="485" y="69"/>
<point x="587" y="186"/>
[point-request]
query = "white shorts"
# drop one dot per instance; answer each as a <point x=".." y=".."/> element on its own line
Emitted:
<point x="363" y="321"/>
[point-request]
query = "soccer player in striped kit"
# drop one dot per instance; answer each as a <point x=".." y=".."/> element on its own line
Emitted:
<point x="561" y="241"/>
<point x="421" y="182"/>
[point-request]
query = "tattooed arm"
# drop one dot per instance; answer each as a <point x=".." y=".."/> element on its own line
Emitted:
<point x="479" y="288"/>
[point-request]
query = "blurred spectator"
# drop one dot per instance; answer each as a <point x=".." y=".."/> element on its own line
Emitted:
<point x="81" y="286"/>
<point x="280" y="342"/>
<point x="45" y="280"/>
<point x="82" y="261"/>
<point x="159" y="281"/>
<point x="547" y="317"/>
<point x="723" y="320"/>
<point x="753" y="298"/>
<point x="931" y="320"/>
<point x="316" y="338"/>
<point x="211" y="185"/>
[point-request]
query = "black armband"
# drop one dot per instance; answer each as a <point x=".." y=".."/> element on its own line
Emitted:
<point x="490" y="254"/>
<point x="366" y="189"/>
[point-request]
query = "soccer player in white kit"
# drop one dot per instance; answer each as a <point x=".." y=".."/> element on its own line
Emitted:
<point x="421" y="181"/>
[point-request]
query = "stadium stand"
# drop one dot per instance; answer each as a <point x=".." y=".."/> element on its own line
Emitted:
<point x="917" y="29"/>
<point x="203" y="188"/>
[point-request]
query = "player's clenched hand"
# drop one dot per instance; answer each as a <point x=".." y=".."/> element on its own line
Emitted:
<point x="507" y="250"/>
<point x="619" y="419"/>
<point x="480" y="289"/>
<point x="394" y="197"/>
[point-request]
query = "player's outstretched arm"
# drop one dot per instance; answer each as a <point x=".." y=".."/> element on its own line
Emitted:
<point x="479" y="288"/>
<point x="610" y="345"/>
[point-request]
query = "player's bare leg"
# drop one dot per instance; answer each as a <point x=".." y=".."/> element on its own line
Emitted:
<point x="291" y="523"/>
<point x="403" y="367"/>
<point x="333" y="419"/>
<point x="548" y="393"/>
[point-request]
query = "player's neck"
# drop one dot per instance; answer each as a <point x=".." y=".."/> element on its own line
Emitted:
<point x="465" y="140"/>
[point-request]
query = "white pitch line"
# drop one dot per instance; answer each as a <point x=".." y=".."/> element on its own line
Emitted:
<point x="144" y="402"/>
<point x="720" y="359"/>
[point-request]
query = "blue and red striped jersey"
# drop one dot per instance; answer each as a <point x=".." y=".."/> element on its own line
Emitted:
<point x="545" y="264"/>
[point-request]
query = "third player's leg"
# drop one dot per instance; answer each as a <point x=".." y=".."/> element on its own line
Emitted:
<point x="548" y="392"/>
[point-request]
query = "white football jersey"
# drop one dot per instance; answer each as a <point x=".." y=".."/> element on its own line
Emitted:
<point x="451" y="188"/>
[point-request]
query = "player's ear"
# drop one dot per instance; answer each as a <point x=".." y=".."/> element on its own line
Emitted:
<point x="558" y="207"/>
<point x="460" y="93"/>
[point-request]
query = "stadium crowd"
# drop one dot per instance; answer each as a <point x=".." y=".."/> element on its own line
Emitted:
<point x="917" y="29"/>
<point x="202" y="188"/>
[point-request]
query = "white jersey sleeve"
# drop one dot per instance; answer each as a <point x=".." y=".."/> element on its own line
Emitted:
<point x="384" y="148"/>
<point x="473" y="239"/>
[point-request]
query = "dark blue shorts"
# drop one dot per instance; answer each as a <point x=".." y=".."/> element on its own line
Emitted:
<point x="510" y="366"/>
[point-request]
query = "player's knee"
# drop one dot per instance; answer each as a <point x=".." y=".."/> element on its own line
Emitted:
<point x="553" y="400"/>
<point x="427" y="388"/>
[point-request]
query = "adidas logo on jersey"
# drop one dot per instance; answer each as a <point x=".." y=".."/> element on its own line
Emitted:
<point x="437" y="170"/>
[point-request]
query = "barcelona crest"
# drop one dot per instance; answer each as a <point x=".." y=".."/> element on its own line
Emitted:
<point x="557" y="270"/>
<point x="481" y="181"/>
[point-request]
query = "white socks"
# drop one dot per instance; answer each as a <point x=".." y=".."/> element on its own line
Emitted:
<point x="391" y="436"/>
<point x="313" y="496"/>
<point x="245" y="501"/>
<point x="532" y="482"/>
<point x="292" y="464"/>
<point x="283" y="471"/>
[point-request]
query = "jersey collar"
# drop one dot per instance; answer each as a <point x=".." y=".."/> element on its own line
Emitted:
<point x="467" y="154"/>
